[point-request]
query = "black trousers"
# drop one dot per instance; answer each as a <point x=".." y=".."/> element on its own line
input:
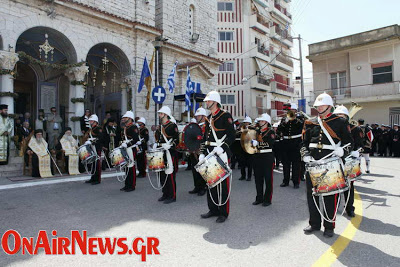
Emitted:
<point x="247" y="162"/>
<point x="169" y="190"/>
<point x="277" y="153"/>
<point x="291" y="160"/>
<point x="382" y="148"/>
<point x="215" y="209"/>
<point x="350" y="204"/>
<point x="141" y="163"/>
<point x="130" y="181"/>
<point x="199" y="183"/>
<point x="330" y="204"/>
<point x="96" y="176"/>
<point x="263" y="171"/>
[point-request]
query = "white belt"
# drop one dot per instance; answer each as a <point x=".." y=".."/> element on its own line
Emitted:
<point x="321" y="146"/>
<point x="292" y="136"/>
<point x="208" y="143"/>
<point x="265" y="151"/>
<point x="237" y="139"/>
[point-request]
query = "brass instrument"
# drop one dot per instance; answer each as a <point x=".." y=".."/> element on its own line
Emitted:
<point x="352" y="111"/>
<point x="291" y="115"/>
<point x="245" y="140"/>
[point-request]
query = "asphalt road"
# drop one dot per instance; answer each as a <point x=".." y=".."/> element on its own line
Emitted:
<point x="252" y="235"/>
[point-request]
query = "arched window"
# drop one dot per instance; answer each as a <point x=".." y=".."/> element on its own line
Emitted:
<point x="191" y="21"/>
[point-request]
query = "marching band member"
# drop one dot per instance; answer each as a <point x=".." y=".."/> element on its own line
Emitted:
<point x="141" y="157"/>
<point x="264" y="161"/>
<point x="69" y="145"/>
<point x="277" y="146"/>
<point x="291" y="128"/>
<point x="235" y="147"/>
<point x="316" y="145"/>
<point x="357" y="135"/>
<point x="219" y="135"/>
<point x="38" y="148"/>
<point x="129" y="137"/>
<point x="246" y="158"/>
<point x="95" y="134"/>
<point x="199" y="183"/>
<point x="368" y="137"/>
<point x="167" y="138"/>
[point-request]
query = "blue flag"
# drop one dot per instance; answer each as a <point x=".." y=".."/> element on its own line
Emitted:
<point x="145" y="73"/>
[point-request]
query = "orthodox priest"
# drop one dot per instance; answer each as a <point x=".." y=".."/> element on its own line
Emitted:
<point x="41" y="163"/>
<point x="69" y="145"/>
<point x="6" y="126"/>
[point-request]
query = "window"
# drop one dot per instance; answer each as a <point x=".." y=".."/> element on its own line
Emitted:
<point x="225" y="36"/>
<point x="223" y="6"/>
<point x="191" y="20"/>
<point x="338" y="80"/>
<point x="227" y="66"/>
<point x="228" y="99"/>
<point x="382" y="73"/>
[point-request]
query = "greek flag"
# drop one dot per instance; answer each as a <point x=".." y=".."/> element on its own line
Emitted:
<point x="189" y="90"/>
<point x="171" y="79"/>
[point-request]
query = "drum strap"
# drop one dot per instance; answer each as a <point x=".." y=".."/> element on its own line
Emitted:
<point x="219" y="142"/>
<point x="326" y="133"/>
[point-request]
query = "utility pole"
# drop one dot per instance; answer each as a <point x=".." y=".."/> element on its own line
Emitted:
<point x="301" y="73"/>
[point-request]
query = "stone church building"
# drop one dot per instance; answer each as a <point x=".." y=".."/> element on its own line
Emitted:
<point x="77" y="54"/>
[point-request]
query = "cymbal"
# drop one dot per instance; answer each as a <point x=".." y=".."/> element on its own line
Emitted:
<point x="245" y="140"/>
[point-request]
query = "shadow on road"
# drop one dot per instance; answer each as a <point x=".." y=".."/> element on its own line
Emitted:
<point x="360" y="254"/>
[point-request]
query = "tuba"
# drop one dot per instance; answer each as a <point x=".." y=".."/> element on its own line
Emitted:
<point x="352" y="111"/>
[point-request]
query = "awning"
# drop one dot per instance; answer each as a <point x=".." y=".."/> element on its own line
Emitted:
<point x="261" y="10"/>
<point x="196" y="96"/>
<point x="263" y="68"/>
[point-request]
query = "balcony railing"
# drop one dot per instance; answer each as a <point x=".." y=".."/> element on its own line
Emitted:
<point x="284" y="60"/>
<point x="263" y="50"/>
<point x="263" y="80"/>
<point x="262" y="21"/>
<point x="283" y="10"/>
<point x="283" y="33"/>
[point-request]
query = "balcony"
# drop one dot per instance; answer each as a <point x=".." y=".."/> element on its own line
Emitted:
<point x="282" y="62"/>
<point x="260" y="52"/>
<point x="281" y="36"/>
<point x="282" y="12"/>
<point x="282" y="89"/>
<point x="259" y="24"/>
<point x="365" y="93"/>
<point x="260" y="83"/>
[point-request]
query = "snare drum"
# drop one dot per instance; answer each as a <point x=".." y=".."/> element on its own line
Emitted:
<point x="87" y="154"/>
<point x="119" y="157"/>
<point x="327" y="176"/>
<point x="155" y="160"/>
<point x="213" y="170"/>
<point x="352" y="168"/>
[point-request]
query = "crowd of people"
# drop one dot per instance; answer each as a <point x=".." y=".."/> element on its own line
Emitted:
<point x="296" y="141"/>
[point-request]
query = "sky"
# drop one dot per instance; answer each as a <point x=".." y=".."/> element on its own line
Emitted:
<point x="321" y="20"/>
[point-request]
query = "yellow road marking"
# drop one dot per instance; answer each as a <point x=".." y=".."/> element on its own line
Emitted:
<point x="331" y="255"/>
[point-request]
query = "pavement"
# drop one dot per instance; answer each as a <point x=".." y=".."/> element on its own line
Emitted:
<point x="252" y="235"/>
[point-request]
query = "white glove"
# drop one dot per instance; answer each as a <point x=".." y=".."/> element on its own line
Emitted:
<point x="338" y="152"/>
<point x="201" y="157"/>
<point x="218" y="150"/>
<point x="355" y="154"/>
<point x="88" y="143"/>
<point x="308" y="159"/>
<point x="124" y="145"/>
<point x="254" y="143"/>
<point x="166" y="146"/>
<point x="138" y="143"/>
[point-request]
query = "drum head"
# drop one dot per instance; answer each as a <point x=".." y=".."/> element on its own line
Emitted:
<point x="192" y="137"/>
